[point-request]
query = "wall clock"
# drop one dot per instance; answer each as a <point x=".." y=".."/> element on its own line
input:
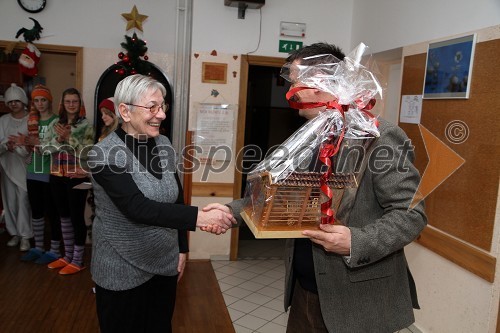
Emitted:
<point x="32" y="6"/>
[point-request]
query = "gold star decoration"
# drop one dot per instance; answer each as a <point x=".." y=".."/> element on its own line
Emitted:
<point x="134" y="19"/>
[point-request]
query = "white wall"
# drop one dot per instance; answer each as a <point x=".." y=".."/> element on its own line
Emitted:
<point x="217" y="27"/>
<point x="93" y="23"/>
<point x="388" y="24"/>
<point x="453" y="299"/>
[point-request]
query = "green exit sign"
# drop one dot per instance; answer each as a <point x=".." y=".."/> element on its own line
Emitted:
<point x="288" y="46"/>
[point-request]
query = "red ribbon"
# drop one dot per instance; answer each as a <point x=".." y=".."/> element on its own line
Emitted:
<point x="301" y="105"/>
<point x="329" y="148"/>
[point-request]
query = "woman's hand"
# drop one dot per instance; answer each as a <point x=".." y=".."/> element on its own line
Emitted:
<point x="31" y="140"/>
<point x="17" y="140"/>
<point x="78" y="173"/>
<point x="63" y="132"/>
<point x="11" y="145"/>
<point x="181" y="265"/>
<point x="215" y="218"/>
<point x="213" y="228"/>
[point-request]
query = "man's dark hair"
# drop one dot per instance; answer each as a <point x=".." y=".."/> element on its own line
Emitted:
<point x="315" y="49"/>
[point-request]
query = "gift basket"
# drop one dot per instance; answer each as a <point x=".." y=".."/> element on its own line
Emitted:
<point x="313" y="176"/>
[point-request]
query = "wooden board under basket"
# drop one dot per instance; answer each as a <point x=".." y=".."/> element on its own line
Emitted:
<point x="260" y="232"/>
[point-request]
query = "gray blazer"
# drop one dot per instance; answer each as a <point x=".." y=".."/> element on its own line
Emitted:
<point x="373" y="290"/>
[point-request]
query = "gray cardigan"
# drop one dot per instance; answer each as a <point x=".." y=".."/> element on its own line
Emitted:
<point x="126" y="254"/>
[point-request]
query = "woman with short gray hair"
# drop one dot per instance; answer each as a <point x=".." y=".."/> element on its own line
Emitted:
<point x="139" y="242"/>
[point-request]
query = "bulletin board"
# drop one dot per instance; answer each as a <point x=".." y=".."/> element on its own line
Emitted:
<point x="461" y="210"/>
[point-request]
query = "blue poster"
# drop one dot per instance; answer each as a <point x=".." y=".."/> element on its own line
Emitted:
<point x="448" y="69"/>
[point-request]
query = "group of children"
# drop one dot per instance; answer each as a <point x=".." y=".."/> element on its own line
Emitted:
<point x="42" y="157"/>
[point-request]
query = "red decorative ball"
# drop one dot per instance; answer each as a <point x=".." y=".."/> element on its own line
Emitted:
<point x="121" y="71"/>
<point x="126" y="58"/>
<point x="133" y="72"/>
<point x="146" y="57"/>
<point x="121" y="55"/>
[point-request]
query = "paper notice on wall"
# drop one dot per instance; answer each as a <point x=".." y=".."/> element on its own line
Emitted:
<point x="411" y="109"/>
<point x="214" y="131"/>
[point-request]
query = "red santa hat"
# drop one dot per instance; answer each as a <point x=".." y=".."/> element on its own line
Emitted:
<point x="29" y="59"/>
<point x="109" y="104"/>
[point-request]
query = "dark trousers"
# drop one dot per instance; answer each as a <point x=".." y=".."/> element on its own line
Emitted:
<point x="147" y="308"/>
<point x="42" y="205"/>
<point x="305" y="312"/>
<point x="71" y="203"/>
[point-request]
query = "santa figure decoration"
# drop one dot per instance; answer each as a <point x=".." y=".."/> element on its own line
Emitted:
<point x="29" y="59"/>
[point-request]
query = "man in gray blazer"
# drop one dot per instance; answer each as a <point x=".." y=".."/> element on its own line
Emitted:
<point x="354" y="277"/>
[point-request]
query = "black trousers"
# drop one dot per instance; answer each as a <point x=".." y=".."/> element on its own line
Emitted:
<point x="42" y="204"/>
<point x="70" y="203"/>
<point x="147" y="308"/>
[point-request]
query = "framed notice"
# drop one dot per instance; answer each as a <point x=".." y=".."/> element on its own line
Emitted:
<point x="448" y="70"/>
<point x="213" y="72"/>
<point x="214" y="131"/>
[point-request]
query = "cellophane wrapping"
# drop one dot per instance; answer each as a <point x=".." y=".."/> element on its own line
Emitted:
<point x="348" y="126"/>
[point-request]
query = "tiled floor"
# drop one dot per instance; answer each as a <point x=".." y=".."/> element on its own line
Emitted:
<point x="253" y="287"/>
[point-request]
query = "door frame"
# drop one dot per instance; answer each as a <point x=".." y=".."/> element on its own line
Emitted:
<point x="57" y="49"/>
<point x="246" y="61"/>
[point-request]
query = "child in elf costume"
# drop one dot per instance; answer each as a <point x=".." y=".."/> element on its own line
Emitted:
<point x="13" y="169"/>
<point x="40" y="121"/>
<point x="71" y="139"/>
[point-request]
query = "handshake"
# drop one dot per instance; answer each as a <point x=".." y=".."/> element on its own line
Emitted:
<point x="215" y="218"/>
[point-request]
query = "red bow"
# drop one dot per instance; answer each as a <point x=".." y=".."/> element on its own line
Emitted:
<point x="328" y="149"/>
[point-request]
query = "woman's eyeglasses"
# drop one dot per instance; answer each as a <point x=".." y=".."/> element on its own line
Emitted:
<point x="153" y="109"/>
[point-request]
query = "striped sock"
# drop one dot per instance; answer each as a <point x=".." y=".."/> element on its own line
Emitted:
<point x="54" y="247"/>
<point x="68" y="238"/>
<point x="78" y="255"/>
<point x="38" y="230"/>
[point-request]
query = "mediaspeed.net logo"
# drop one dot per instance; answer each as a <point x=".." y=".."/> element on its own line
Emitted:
<point x="442" y="160"/>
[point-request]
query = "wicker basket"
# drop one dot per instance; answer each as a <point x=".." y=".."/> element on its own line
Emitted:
<point x="285" y="208"/>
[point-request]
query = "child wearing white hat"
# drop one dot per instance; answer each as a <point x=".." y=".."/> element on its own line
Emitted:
<point x="13" y="169"/>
